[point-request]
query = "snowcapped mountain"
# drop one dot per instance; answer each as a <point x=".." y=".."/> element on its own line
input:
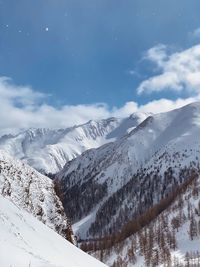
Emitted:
<point x="134" y="201"/>
<point x="24" y="241"/>
<point x="48" y="150"/>
<point x="33" y="192"/>
<point x="119" y="181"/>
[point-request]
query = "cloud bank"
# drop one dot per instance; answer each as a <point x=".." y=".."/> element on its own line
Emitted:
<point x="22" y="107"/>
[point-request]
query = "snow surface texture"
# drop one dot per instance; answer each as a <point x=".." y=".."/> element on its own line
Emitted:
<point x="48" y="150"/>
<point x="24" y="242"/>
<point x="33" y="192"/>
<point x="113" y="165"/>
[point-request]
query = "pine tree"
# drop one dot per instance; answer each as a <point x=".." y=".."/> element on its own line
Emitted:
<point x="193" y="229"/>
<point x="187" y="259"/>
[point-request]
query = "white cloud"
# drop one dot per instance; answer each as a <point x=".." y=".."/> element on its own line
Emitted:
<point x="157" y="54"/>
<point x="22" y="107"/>
<point x="12" y="93"/>
<point x="179" y="71"/>
<point x="126" y="110"/>
<point x="164" y="105"/>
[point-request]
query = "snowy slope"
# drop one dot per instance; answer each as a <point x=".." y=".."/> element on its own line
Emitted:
<point x="162" y="144"/>
<point x="33" y="192"/>
<point x="24" y="241"/>
<point x="172" y="239"/>
<point x="48" y="150"/>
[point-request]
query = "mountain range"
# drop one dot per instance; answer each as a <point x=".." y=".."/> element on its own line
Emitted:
<point x="47" y="150"/>
<point x="129" y="187"/>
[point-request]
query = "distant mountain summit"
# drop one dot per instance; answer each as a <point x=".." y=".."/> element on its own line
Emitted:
<point x="48" y="150"/>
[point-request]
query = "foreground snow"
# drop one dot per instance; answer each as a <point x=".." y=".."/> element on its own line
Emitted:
<point x="24" y="241"/>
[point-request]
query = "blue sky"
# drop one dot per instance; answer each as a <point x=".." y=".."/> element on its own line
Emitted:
<point x="79" y="52"/>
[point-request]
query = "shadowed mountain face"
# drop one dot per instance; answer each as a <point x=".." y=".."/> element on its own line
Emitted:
<point x="166" y="235"/>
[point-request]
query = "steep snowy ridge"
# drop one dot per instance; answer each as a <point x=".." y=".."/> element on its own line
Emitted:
<point x="131" y="174"/>
<point x="48" y="150"/>
<point x="33" y="192"/>
<point x="24" y="241"/>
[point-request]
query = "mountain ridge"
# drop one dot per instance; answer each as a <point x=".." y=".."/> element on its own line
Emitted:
<point x="47" y="150"/>
<point x="162" y="145"/>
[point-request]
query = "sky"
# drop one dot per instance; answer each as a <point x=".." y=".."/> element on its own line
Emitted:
<point x="65" y="62"/>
